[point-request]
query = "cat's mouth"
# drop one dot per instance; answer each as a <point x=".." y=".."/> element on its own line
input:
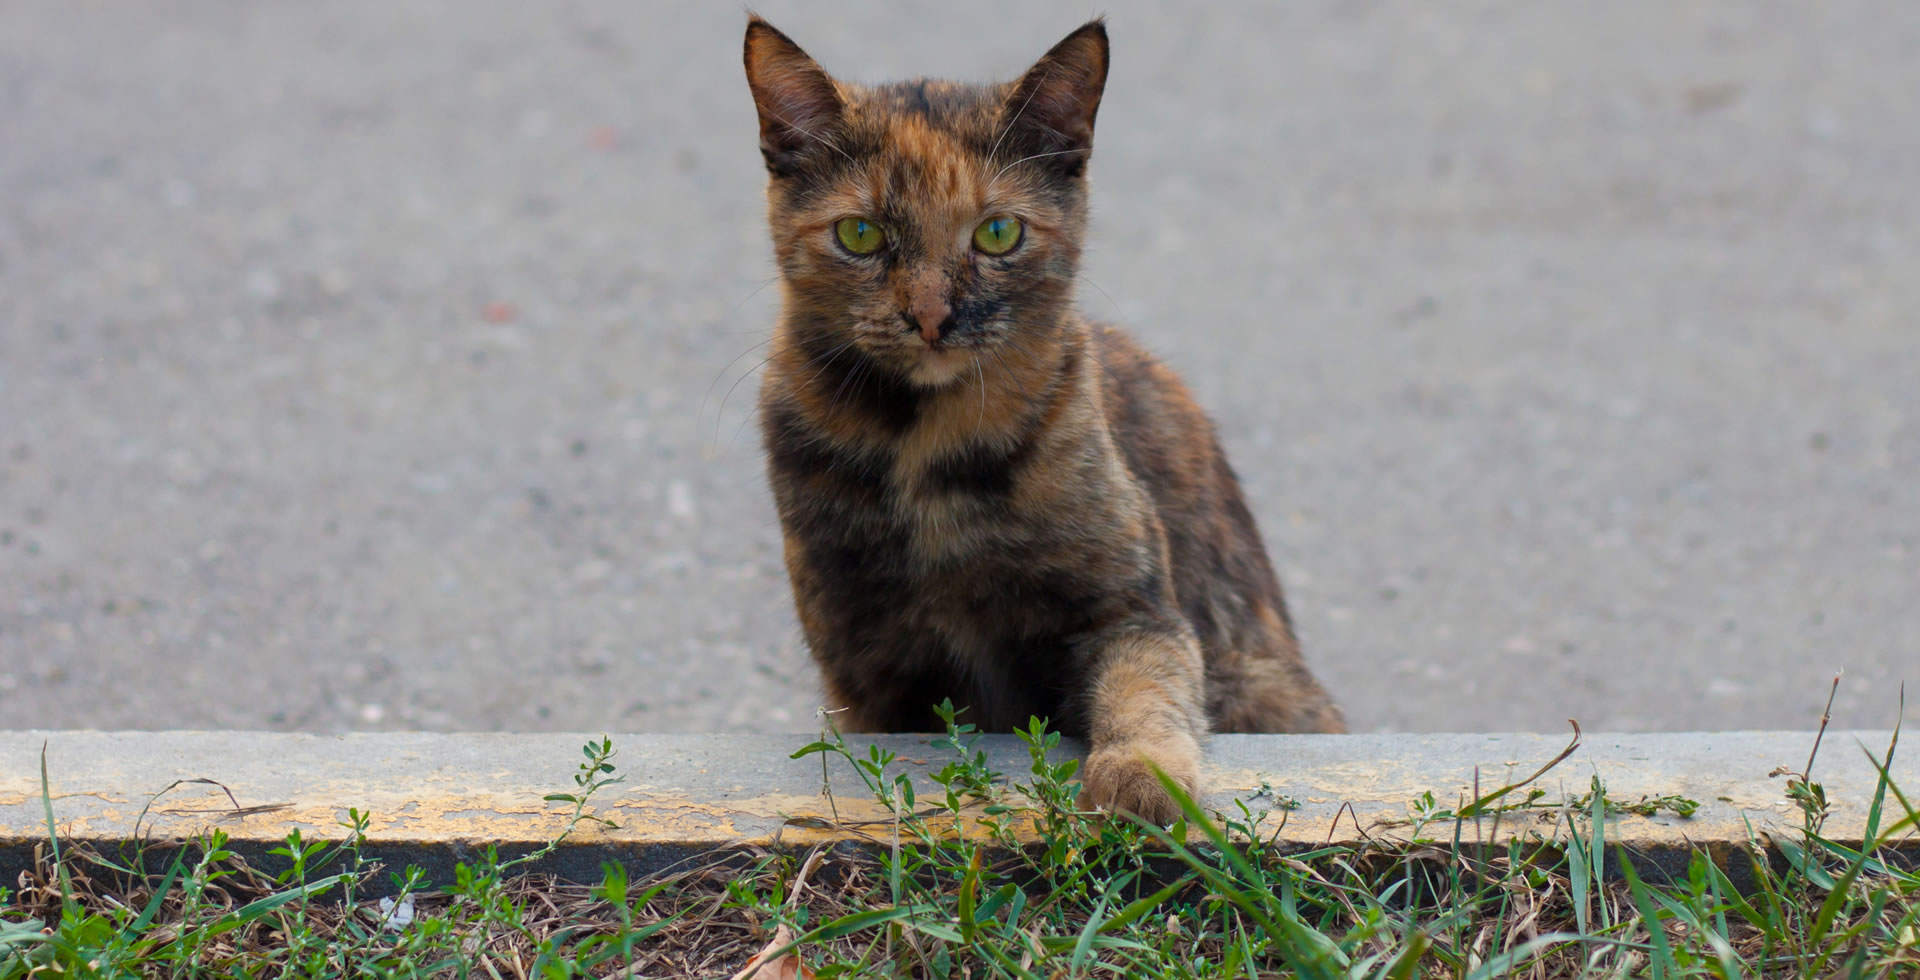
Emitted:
<point x="936" y="363"/>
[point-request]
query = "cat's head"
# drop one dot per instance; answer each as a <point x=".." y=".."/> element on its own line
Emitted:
<point x="926" y="223"/>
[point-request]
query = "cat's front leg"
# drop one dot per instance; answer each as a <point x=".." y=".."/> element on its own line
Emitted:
<point x="1147" y="710"/>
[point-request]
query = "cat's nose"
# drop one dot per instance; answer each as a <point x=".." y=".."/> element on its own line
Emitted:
<point x="931" y="317"/>
<point x="925" y="299"/>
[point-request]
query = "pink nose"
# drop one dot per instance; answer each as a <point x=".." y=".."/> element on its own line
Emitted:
<point x="930" y="314"/>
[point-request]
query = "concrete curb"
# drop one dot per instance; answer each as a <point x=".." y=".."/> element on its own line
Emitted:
<point x="437" y="799"/>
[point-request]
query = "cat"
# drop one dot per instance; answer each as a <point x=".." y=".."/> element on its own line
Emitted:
<point x="983" y="496"/>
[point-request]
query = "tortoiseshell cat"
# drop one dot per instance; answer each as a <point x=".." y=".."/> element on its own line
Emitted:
<point x="985" y="497"/>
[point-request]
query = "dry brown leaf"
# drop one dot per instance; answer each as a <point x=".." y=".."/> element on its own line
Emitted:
<point x="766" y="966"/>
<point x="786" y="966"/>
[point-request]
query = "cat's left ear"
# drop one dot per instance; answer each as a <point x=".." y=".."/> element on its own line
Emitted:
<point x="1052" y="107"/>
<point x="799" y="109"/>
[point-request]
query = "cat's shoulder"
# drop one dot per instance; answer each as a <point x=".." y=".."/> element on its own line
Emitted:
<point x="1128" y="363"/>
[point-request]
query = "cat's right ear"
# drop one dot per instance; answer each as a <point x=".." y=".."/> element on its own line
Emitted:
<point x="799" y="109"/>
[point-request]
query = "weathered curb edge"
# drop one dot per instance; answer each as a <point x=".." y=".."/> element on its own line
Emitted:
<point x="436" y="799"/>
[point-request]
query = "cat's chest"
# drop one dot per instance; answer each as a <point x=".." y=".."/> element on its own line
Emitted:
<point x="951" y="546"/>
<point x="945" y="564"/>
<point x="937" y="514"/>
<point x="952" y="530"/>
<point x="947" y="529"/>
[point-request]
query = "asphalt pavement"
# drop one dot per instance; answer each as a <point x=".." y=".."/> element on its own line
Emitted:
<point x="389" y="365"/>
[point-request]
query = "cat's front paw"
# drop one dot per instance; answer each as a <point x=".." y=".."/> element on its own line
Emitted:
<point x="1120" y="776"/>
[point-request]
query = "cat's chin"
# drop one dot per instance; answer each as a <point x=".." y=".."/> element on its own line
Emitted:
<point x="940" y="368"/>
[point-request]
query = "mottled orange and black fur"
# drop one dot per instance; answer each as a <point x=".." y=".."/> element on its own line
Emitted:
<point x="985" y="497"/>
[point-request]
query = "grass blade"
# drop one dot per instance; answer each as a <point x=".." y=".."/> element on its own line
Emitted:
<point x="68" y="906"/>
<point x="1094" y="921"/>
<point x="253" y="910"/>
<point x="1597" y="850"/>
<point x="1141" y="906"/>
<point x="1661" y="960"/>
<point x="1505" y="964"/>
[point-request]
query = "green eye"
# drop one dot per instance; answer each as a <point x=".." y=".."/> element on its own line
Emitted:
<point x="997" y="236"/>
<point x="859" y="236"/>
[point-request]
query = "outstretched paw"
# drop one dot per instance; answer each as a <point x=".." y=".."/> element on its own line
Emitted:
<point x="1120" y="776"/>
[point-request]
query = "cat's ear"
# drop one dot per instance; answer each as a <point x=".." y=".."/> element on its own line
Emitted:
<point x="799" y="109"/>
<point x="1052" y="107"/>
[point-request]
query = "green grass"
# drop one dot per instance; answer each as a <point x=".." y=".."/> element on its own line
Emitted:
<point x="1037" y="887"/>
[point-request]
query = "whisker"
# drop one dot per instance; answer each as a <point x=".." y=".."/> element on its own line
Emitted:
<point x="980" y="375"/>
<point x="1024" y="393"/>
<point x="1036" y="156"/>
<point x="715" y="383"/>
<point x="1031" y="357"/>
<point x="741" y="428"/>
<point x="829" y="144"/>
<point x="1110" y="300"/>
<point x="831" y="356"/>
<point x="1085" y="394"/>
<point x="755" y="292"/>
<point x="859" y="371"/>
<point x="834" y="356"/>
<point x="722" y="413"/>
<point x="1018" y="113"/>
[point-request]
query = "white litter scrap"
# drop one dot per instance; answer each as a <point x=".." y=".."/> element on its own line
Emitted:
<point x="396" y="916"/>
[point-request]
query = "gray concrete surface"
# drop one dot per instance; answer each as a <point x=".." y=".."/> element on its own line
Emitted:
<point x="433" y="799"/>
<point x="365" y="365"/>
